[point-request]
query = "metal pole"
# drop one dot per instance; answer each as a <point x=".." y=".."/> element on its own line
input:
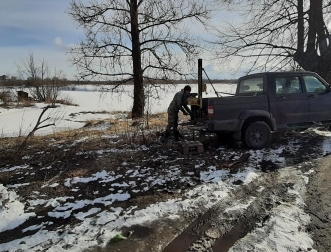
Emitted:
<point x="200" y="87"/>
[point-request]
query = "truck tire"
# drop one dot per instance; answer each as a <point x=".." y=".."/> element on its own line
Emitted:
<point x="257" y="135"/>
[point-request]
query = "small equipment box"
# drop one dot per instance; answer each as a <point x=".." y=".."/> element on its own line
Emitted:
<point x="191" y="147"/>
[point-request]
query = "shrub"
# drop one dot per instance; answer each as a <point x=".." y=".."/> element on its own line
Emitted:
<point x="6" y="98"/>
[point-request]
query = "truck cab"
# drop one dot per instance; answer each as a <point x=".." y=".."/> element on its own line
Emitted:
<point x="267" y="102"/>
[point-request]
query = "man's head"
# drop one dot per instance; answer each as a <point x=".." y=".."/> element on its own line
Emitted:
<point x="287" y="84"/>
<point x="187" y="89"/>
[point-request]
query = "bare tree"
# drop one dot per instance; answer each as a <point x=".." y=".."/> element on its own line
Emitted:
<point x="137" y="40"/>
<point x="42" y="86"/>
<point x="278" y="34"/>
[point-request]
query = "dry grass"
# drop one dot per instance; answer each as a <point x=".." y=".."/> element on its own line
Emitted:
<point x="132" y="132"/>
<point x="66" y="101"/>
<point x="25" y="103"/>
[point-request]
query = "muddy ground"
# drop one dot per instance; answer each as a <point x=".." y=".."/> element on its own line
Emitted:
<point x="319" y="205"/>
<point x="210" y="229"/>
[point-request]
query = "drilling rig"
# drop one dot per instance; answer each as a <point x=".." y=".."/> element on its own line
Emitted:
<point x="198" y="104"/>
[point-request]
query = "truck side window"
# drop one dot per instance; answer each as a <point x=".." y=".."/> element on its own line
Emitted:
<point x="253" y="86"/>
<point x="288" y="85"/>
<point x="314" y="85"/>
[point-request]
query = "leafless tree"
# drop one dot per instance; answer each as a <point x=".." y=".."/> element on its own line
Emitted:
<point x="137" y="40"/>
<point x="278" y="34"/>
<point x="42" y="86"/>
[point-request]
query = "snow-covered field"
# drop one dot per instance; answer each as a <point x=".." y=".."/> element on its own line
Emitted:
<point x="90" y="99"/>
<point x="283" y="231"/>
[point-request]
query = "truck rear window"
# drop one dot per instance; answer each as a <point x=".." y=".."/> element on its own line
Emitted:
<point x="253" y="86"/>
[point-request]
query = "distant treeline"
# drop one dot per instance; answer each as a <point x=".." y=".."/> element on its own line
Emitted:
<point x="18" y="82"/>
<point x="225" y="81"/>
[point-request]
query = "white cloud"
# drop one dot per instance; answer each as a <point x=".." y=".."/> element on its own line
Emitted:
<point x="58" y="41"/>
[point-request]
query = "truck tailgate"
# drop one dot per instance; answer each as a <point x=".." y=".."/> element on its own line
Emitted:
<point x="230" y="109"/>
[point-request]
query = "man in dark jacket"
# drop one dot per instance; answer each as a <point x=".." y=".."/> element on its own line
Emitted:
<point x="179" y="103"/>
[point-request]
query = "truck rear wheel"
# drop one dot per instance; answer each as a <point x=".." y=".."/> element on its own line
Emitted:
<point x="257" y="135"/>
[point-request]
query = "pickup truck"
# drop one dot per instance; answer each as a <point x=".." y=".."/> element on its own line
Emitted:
<point x="267" y="102"/>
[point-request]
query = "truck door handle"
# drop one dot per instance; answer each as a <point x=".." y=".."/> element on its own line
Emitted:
<point x="311" y="96"/>
<point x="282" y="98"/>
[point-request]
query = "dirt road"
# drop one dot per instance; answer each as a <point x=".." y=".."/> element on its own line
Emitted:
<point x="246" y="218"/>
<point x="319" y="205"/>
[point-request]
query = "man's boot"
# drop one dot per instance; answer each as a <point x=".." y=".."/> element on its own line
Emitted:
<point x="176" y="135"/>
<point x="164" y="139"/>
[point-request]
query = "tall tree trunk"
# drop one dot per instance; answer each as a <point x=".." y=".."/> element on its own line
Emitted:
<point x="299" y="54"/>
<point x="312" y="22"/>
<point x="301" y="28"/>
<point x="138" y="93"/>
<point x="317" y="56"/>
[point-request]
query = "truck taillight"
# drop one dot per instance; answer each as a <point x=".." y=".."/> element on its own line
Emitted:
<point x="211" y="111"/>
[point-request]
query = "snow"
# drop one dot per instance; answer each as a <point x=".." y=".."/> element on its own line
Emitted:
<point x="11" y="210"/>
<point x="282" y="231"/>
<point x="95" y="103"/>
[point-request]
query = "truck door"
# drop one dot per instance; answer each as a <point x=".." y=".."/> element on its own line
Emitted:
<point x="319" y="99"/>
<point x="291" y="102"/>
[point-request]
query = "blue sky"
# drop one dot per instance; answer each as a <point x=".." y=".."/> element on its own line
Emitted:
<point x="43" y="27"/>
<point x="38" y="26"/>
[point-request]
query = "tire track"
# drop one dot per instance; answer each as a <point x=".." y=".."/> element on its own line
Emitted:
<point x="246" y="209"/>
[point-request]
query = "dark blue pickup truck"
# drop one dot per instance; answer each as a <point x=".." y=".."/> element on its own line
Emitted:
<point x="266" y="102"/>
